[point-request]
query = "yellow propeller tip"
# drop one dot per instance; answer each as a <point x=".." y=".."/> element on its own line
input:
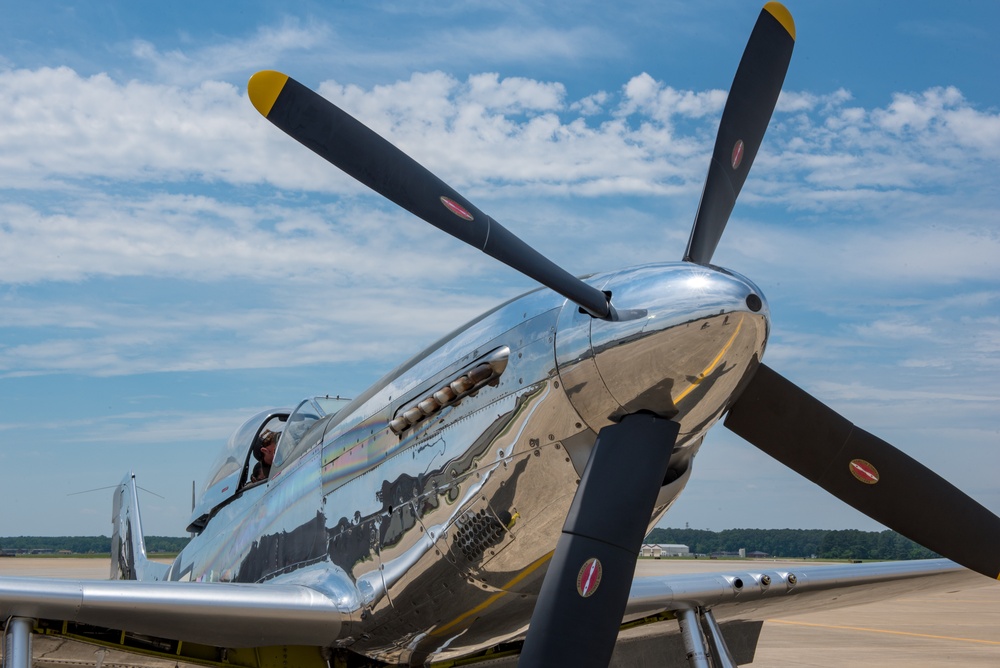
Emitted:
<point x="782" y="15"/>
<point x="264" y="88"/>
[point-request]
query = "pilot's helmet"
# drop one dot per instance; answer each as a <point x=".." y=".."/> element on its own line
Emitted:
<point x="265" y="438"/>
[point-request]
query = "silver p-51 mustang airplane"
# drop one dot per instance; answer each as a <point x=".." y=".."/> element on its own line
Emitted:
<point x="497" y="486"/>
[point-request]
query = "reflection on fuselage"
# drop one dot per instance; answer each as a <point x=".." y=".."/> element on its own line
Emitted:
<point x="435" y="538"/>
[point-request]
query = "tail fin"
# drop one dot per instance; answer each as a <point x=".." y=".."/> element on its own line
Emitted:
<point x="128" y="548"/>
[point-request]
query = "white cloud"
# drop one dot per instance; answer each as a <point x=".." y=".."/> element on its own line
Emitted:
<point x="649" y="97"/>
<point x="931" y="141"/>
<point x="897" y="328"/>
<point x="798" y="101"/>
<point x="489" y="130"/>
<point x="220" y="61"/>
<point x="201" y="332"/>
<point x="201" y="239"/>
<point x="591" y="104"/>
<point x="515" y="94"/>
<point x="518" y="43"/>
<point x="58" y="124"/>
<point x="104" y="181"/>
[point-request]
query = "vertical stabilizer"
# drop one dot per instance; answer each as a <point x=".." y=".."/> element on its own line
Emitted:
<point x="128" y="548"/>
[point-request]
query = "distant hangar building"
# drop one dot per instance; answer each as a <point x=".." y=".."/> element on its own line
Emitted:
<point x="657" y="550"/>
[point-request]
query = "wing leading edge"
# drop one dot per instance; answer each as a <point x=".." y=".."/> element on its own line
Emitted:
<point x="219" y="614"/>
<point x="757" y="594"/>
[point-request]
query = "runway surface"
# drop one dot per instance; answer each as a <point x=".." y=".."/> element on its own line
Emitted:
<point x="933" y="629"/>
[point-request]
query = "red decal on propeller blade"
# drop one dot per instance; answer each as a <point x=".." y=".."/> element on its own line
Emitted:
<point x="456" y="208"/>
<point x="863" y="471"/>
<point x="589" y="577"/>
<point x="737" y="153"/>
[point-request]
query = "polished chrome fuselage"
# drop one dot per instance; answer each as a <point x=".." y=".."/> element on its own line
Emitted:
<point x="433" y="532"/>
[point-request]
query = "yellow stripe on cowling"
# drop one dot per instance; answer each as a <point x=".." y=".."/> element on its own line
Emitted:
<point x="441" y="630"/>
<point x="782" y="15"/>
<point x="264" y="88"/>
<point x="711" y="365"/>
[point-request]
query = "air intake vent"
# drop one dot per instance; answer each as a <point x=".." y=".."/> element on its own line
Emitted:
<point x="477" y="532"/>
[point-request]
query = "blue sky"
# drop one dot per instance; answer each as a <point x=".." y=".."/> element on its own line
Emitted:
<point x="171" y="263"/>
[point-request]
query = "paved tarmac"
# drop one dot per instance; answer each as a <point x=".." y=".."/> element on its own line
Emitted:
<point x="961" y="626"/>
<point x="958" y="627"/>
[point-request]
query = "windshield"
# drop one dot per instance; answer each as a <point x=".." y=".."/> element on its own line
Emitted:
<point x="331" y="405"/>
<point x="302" y="418"/>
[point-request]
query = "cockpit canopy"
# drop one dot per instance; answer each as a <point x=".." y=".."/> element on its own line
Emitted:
<point x="230" y="472"/>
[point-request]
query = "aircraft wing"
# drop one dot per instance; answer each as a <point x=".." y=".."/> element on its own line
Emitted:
<point x="216" y="614"/>
<point x="759" y="593"/>
<point x="290" y="616"/>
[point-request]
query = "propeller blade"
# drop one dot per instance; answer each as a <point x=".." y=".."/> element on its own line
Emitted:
<point x="748" y="111"/>
<point x="865" y="472"/>
<point x="345" y="142"/>
<point x="580" y="606"/>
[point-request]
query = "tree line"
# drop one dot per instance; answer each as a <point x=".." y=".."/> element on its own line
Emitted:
<point x="821" y="543"/>
<point x="84" y="544"/>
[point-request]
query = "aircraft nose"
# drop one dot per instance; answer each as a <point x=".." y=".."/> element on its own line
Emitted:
<point x="685" y="336"/>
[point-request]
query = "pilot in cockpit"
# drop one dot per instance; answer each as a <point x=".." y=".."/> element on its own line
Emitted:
<point x="263" y="451"/>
